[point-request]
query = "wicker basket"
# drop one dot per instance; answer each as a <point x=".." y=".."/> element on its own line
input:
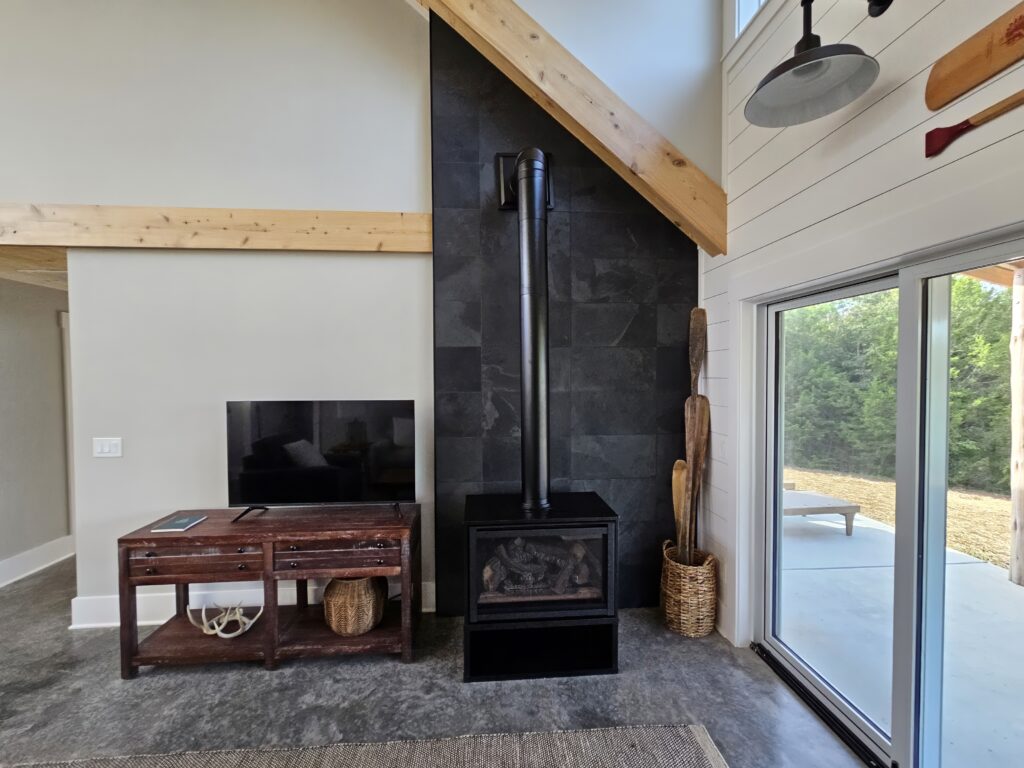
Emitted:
<point x="689" y="593"/>
<point x="355" y="606"/>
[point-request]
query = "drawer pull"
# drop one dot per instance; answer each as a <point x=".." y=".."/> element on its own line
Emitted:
<point x="151" y="554"/>
<point x="293" y="564"/>
<point x="380" y="562"/>
<point x="241" y="550"/>
<point x="380" y="545"/>
<point x="293" y="548"/>
<point x="150" y="571"/>
<point x="242" y="566"/>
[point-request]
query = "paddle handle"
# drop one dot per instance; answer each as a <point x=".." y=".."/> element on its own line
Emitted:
<point x="1004" y="106"/>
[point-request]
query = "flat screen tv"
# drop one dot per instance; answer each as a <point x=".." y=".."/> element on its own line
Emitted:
<point x="320" y="452"/>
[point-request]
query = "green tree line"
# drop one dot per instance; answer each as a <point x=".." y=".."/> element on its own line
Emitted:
<point x="839" y="393"/>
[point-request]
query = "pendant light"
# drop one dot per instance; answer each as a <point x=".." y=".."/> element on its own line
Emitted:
<point x="816" y="81"/>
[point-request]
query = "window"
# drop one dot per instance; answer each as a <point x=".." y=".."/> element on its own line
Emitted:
<point x="745" y="11"/>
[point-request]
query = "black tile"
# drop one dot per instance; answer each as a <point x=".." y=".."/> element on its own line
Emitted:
<point x="457" y="323"/>
<point x="671" y="405"/>
<point x="559" y="324"/>
<point x="614" y="280"/>
<point x="613" y="412"/>
<point x="631" y="498"/>
<point x="599" y="368"/>
<point x="560" y="457"/>
<point x="673" y="369"/>
<point x="456" y="185"/>
<point x="677" y="282"/>
<point x="673" y="324"/>
<point x="502" y="459"/>
<point x="560" y="413"/>
<point x="457" y="369"/>
<point x="458" y="414"/>
<point x="614" y="325"/>
<point x="458" y="459"/>
<point x="598" y="188"/>
<point x="560" y="369"/>
<point x="454" y="138"/>
<point x="616" y="235"/>
<point x="608" y="456"/>
<point x="501" y="367"/>
<point x="670" y="448"/>
<point x="676" y="245"/>
<point x="456" y="255"/>
<point x="501" y="413"/>
<point x="559" y="257"/>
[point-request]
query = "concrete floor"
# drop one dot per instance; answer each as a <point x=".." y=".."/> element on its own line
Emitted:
<point x="61" y="695"/>
<point x="836" y="612"/>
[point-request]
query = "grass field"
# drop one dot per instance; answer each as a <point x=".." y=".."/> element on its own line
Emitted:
<point x="978" y="524"/>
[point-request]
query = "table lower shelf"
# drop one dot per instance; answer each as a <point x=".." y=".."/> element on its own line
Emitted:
<point x="301" y="633"/>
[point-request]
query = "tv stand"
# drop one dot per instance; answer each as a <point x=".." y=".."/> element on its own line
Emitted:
<point x="285" y="544"/>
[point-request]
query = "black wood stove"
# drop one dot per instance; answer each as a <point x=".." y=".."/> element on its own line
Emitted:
<point x="541" y="567"/>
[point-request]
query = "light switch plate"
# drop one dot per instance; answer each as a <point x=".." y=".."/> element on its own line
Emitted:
<point x="106" y="447"/>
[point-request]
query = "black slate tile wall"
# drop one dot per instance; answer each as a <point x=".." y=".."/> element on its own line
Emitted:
<point x="622" y="282"/>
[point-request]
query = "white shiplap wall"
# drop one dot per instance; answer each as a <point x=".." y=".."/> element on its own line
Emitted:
<point x="832" y="200"/>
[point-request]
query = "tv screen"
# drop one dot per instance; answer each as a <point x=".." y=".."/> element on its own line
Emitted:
<point x="320" y="452"/>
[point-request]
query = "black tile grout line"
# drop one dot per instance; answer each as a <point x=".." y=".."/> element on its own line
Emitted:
<point x="748" y="93"/>
<point x="842" y="168"/>
<point x="874" y="197"/>
<point x="854" y="117"/>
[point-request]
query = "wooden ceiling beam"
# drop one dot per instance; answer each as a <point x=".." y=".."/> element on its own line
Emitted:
<point x="36" y="265"/>
<point x="517" y="45"/>
<point x="114" y="226"/>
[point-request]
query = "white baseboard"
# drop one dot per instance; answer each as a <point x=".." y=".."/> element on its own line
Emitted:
<point x="26" y="563"/>
<point x="155" y="607"/>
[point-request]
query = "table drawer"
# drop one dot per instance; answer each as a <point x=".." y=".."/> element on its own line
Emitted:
<point x="176" y="561"/>
<point x="326" y="559"/>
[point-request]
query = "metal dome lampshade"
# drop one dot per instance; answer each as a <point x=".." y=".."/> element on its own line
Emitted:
<point x="816" y="81"/>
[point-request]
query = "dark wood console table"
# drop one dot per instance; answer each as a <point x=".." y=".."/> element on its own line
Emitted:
<point x="288" y="543"/>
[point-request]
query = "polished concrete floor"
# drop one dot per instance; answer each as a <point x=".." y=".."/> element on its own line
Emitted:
<point x="61" y="695"/>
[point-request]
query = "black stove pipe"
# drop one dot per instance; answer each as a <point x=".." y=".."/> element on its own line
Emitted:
<point x="531" y="178"/>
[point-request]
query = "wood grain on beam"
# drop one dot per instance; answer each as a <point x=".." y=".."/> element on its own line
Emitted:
<point x="112" y="226"/>
<point x="999" y="274"/>
<point x="518" y="46"/>
<point x="36" y="265"/>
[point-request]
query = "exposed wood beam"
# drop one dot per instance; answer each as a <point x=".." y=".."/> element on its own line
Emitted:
<point x="36" y="265"/>
<point x="518" y="46"/>
<point x="113" y="226"/>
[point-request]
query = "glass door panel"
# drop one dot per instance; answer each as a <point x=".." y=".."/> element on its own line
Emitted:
<point x="832" y="486"/>
<point x="974" y="621"/>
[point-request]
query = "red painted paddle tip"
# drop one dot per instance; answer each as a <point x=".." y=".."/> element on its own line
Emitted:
<point x="938" y="139"/>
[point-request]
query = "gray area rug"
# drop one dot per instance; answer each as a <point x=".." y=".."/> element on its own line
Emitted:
<point x="658" y="746"/>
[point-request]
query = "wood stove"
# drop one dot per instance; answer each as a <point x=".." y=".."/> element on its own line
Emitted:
<point x="541" y="567"/>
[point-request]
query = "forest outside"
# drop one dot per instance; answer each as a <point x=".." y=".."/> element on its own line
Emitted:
<point x="840" y="409"/>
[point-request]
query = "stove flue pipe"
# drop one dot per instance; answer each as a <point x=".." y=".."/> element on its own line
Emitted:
<point x="531" y="178"/>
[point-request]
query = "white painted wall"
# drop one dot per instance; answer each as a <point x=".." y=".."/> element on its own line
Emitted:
<point x="161" y="341"/>
<point x="33" y="460"/>
<point x="833" y="200"/>
<point x="662" y="57"/>
<point x="309" y="104"/>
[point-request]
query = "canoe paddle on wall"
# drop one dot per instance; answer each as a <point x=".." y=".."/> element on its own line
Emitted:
<point x="938" y="139"/>
<point x="983" y="55"/>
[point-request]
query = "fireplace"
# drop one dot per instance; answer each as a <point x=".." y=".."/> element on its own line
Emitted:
<point x="541" y="567"/>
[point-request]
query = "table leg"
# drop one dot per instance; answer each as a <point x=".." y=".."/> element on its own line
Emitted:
<point x="129" y="618"/>
<point x="301" y="595"/>
<point x="269" y="620"/>
<point x="849" y="523"/>
<point x="407" y="600"/>
<point x="181" y="598"/>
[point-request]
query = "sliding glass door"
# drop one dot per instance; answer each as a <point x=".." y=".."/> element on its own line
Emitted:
<point x="894" y="502"/>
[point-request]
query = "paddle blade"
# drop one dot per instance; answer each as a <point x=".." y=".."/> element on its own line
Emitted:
<point x="680" y="480"/>
<point x="938" y="139"/>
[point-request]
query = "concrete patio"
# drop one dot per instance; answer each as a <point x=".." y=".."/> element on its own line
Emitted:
<point x="836" y="613"/>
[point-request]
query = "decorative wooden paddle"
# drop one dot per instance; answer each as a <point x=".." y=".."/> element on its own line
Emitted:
<point x="680" y="484"/>
<point x="698" y="432"/>
<point x="978" y="58"/>
<point x="938" y="139"/>
<point x="698" y="344"/>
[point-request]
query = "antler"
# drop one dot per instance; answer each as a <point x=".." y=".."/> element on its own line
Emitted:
<point x="218" y="623"/>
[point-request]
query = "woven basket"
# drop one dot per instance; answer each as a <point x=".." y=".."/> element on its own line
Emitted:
<point x="689" y="593"/>
<point x="355" y="606"/>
